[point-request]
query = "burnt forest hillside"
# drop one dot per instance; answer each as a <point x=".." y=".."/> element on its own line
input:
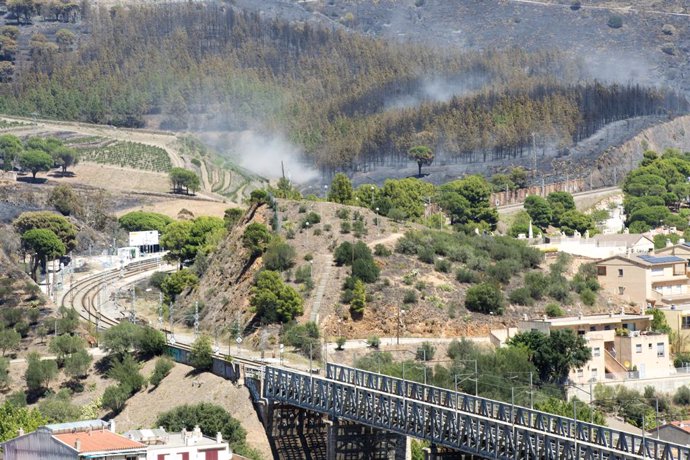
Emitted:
<point x="348" y="93"/>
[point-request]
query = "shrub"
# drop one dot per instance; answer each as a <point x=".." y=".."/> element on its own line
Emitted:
<point x="273" y="300"/>
<point x="343" y="213"/>
<point x="575" y="5"/>
<point x="359" y="297"/>
<point x="374" y="341"/>
<point x="410" y="296"/>
<point x="553" y="310"/>
<point x="279" y="256"/>
<point x="381" y="251"/>
<point x="503" y="270"/>
<point x="464" y="275"/>
<point x="163" y="367"/>
<point x="126" y="373"/>
<point x="682" y="396"/>
<point x="359" y="228"/>
<point x="484" y="298"/>
<point x="537" y="284"/>
<point x="425" y="352"/>
<point x="345" y="227"/>
<point x="157" y="279"/>
<point x="426" y="255"/>
<point x="256" y="238"/>
<point x="340" y="342"/>
<point x="150" y="342"/>
<point x="201" y="356"/>
<point x="588" y="297"/>
<point x="443" y="265"/>
<point x="520" y="296"/>
<point x="58" y="408"/>
<point x="115" y="397"/>
<point x="366" y="270"/>
<point x="615" y="21"/>
<point x="312" y="219"/>
<point x="39" y="372"/>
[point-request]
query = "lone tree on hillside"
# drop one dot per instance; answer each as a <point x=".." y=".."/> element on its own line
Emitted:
<point x="423" y="155"/>
<point x="184" y="181"/>
<point x="35" y="161"/>
<point x="65" y="157"/>
<point x="42" y="244"/>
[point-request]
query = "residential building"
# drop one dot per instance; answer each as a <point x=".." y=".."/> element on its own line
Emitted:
<point x="622" y="345"/>
<point x="645" y="279"/>
<point x="187" y="445"/>
<point x="681" y="249"/>
<point x="677" y="432"/>
<point x="600" y="246"/>
<point x="90" y="439"/>
<point x="678" y="319"/>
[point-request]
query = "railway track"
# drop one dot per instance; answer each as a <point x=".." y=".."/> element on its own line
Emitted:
<point x="83" y="295"/>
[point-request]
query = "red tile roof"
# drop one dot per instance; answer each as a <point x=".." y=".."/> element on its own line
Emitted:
<point x="98" y="441"/>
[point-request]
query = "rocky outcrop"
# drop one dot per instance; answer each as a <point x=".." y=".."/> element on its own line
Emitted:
<point x="615" y="162"/>
<point x="224" y="289"/>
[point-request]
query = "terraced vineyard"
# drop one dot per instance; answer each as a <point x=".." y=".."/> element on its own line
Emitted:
<point x="6" y="124"/>
<point x="126" y="154"/>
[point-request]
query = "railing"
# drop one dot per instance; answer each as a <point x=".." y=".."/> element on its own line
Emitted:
<point x="497" y="411"/>
<point x="492" y="429"/>
<point x="471" y="424"/>
<point x="613" y="365"/>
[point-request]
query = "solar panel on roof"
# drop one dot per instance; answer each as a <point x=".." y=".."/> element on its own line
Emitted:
<point x="661" y="259"/>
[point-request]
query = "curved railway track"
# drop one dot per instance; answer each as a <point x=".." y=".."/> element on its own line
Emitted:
<point x="83" y="294"/>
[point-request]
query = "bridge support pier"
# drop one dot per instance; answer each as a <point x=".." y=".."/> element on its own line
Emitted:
<point x="349" y="440"/>
<point x="439" y="453"/>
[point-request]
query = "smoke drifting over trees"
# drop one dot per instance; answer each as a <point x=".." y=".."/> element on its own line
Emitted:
<point x="339" y="99"/>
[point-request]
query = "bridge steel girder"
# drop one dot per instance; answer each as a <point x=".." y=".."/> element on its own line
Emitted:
<point x="351" y="440"/>
<point x="475" y="426"/>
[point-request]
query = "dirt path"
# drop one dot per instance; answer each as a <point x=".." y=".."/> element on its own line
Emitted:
<point x="392" y="238"/>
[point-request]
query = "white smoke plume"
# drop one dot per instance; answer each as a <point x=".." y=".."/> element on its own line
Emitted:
<point x="263" y="155"/>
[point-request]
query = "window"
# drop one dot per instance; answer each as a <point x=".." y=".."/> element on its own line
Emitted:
<point x="621" y="290"/>
<point x="685" y="324"/>
<point x="601" y="271"/>
<point x="580" y="373"/>
<point x="596" y="351"/>
<point x="660" y="350"/>
<point x="592" y="328"/>
<point x="638" y="348"/>
<point x="620" y="272"/>
<point x="607" y="327"/>
<point x="594" y="373"/>
<point x="679" y="269"/>
<point x="658" y="271"/>
<point x="161" y="456"/>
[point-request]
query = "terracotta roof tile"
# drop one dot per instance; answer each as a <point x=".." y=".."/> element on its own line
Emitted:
<point x="98" y="440"/>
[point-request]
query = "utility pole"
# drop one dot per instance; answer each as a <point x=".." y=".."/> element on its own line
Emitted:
<point x="196" y="319"/>
<point x="170" y="314"/>
<point x="133" y="313"/>
<point x="615" y="176"/>
<point x="160" y="310"/>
